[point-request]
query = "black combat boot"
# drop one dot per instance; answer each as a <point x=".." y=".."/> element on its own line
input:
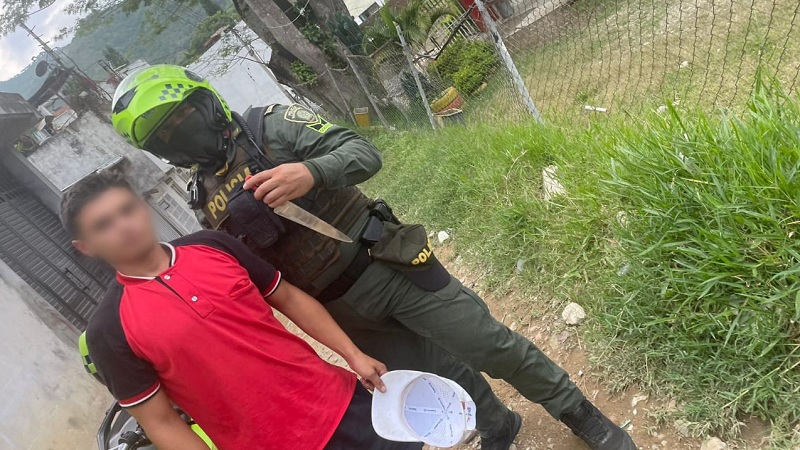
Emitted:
<point x="589" y="424"/>
<point x="506" y="436"/>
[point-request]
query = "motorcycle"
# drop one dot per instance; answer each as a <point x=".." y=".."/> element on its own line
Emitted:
<point x="120" y="431"/>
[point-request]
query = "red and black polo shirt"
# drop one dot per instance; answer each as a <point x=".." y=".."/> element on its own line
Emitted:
<point x="202" y="332"/>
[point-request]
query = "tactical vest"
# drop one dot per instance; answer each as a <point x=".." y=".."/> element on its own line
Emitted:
<point x="307" y="259"/>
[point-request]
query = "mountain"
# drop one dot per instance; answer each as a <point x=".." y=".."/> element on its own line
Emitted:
<point x="132" y="35"/>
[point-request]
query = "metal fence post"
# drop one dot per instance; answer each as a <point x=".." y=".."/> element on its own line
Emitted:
<point x="414" y="72"/>
<point x="341" y="96"/>
<point x="507" y="60"/>
<point x="364" y="87"/>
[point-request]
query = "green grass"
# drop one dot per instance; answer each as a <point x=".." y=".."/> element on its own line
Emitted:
<point x="678" y="234"/>
<point x="627" y="55"/>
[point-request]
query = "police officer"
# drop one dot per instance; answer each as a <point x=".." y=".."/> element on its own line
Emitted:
<point x="386" y="288"/>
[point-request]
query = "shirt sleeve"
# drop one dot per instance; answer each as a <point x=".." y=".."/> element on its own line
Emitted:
<point x="263" y="274"/>
<point x="335" y="156"/>
<point x="130" y="379"/>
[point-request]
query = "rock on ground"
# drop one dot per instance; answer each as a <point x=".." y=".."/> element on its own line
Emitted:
<point x="551" y="186"/>
<point x="573" y="314"/>
<point x="713" y="444"/>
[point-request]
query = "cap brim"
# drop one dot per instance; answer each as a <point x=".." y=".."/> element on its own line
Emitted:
<point x="387" y="407"/>
<point x="470" y="409"/>
<point x="432" y="279"/>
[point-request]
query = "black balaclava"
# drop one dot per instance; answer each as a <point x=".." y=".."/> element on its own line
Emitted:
<point x="203" y="137"/>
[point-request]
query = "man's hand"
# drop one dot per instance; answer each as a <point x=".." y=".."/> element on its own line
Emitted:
<point x="281" y="184"/>
<point x="314" y="319"/>
<point x="370" y="371"/>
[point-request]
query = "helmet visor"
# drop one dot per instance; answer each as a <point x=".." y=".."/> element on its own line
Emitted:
<point x="185" y="139"/>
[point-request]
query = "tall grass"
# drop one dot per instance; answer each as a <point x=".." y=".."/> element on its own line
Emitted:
<point x="712" y="297"/>
<point x="678" y="234"/>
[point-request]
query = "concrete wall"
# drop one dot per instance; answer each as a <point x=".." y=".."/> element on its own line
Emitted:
<point x="47" y="400"/>
<point x="31" y="178"/>
<point x="87" y="145"/>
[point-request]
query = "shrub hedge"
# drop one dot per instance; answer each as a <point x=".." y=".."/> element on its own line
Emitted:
<point x="465" y="64"/>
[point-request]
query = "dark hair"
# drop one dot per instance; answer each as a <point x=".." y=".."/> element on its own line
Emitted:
<point x="84" y="192"/>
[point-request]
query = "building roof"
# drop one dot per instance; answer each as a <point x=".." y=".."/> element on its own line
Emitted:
<point x="16" y="117"/>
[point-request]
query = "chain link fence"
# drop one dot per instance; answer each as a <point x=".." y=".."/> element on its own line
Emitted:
<point x="509" y="60"/>
<point x="448" y="72"/>
<point x="630" y="55"/>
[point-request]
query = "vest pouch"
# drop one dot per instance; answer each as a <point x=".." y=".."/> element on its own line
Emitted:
<point x="253" y="219"/>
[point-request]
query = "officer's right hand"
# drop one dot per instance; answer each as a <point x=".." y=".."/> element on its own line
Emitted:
<point x="281" y="184"/>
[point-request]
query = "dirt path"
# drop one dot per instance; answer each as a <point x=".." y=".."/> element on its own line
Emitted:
<point x="564" y="345"/>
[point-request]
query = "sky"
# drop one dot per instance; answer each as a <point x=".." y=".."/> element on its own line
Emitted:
<point x="17" y="49"/>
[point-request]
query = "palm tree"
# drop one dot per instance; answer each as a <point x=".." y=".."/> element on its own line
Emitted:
<point x="416" y="21"/>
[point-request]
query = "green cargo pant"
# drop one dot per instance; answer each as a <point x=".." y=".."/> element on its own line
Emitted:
<point x="457" y="321"/>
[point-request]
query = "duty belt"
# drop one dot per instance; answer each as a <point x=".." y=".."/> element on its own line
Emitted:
<point x="348" y="278"/>
<point x="380" y="212"/>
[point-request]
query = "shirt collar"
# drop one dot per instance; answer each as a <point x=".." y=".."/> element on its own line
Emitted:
<point x="130" y="278"/>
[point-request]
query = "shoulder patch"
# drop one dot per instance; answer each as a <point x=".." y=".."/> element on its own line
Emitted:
<point x="300" y="114"/>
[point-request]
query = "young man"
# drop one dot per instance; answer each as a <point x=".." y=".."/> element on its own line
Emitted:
<point x="191" y="323"/>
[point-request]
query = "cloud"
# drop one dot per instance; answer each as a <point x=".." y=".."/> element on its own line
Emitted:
<point x="17" y="49"/>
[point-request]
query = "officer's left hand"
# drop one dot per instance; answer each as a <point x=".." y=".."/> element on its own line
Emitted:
<point x="281" y="184"/>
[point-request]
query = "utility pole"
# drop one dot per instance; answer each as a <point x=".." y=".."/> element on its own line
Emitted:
<point x="44" y="45"/>
<point x="72" y="70"/>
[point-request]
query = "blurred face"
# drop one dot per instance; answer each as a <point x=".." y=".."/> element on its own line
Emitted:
<point x="116" y="227"/>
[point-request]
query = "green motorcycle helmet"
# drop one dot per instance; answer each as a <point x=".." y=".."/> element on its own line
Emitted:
<point x="88" y="364"/>
<point x="174" y="114"/>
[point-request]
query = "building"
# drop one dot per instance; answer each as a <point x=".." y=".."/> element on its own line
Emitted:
<point x="90" y="144"/>
<point x="46" y="291"/>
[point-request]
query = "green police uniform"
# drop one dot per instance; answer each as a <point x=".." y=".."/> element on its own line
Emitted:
<point x="449" y="331"/>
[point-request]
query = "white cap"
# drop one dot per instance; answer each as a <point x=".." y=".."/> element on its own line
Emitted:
<point x="422" y="407"/>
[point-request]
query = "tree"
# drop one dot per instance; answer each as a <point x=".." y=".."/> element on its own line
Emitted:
<point x="415" y="20"/>
<point x="289" y="31"/>
<point x="209" y="7"/>
<point x="94" y="12"/>
<point x="205" y="29"/>
<point x="114" y="57"/>
<point x="306" y="38"/>
<point x="347" y="30"/>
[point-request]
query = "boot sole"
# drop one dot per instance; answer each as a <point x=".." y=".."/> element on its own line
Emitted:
<point x="517" y="425"/>
<point x="627" y="443"/>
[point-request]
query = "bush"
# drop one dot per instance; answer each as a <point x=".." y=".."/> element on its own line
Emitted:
<point x="303" y="72"/>
<point x="465" y="64"/>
